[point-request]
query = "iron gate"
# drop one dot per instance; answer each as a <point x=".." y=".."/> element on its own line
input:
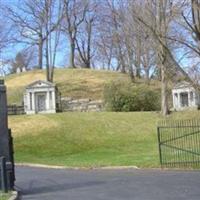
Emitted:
<point x="179" y="143"/>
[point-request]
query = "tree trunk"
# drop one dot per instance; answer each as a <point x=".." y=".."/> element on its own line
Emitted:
<point x="138" y="57"/>
<point x="48" y="78"/>
<point x="89" y="44"/>
<point x="164" y="96"/>
<point x="131" y="74"/>
<point x="121" y="59"/>
<point x="123" y="66"/>
<point x="138" y="72"/>
<point x="40" y="53"/>
<point x="162" y="30"/>
<point x="72" y="54"/>
<point x="123" y="69"/>
<point x="130" y="58"/>
<point x="147" y="79"/>
<point x="47" y="63"/>
<point x="87" y="64"/>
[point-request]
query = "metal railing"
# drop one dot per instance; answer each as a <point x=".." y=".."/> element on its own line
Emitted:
<point x="179" y="143"/>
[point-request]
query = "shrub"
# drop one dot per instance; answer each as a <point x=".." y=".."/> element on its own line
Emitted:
<point x="126" y="96"/>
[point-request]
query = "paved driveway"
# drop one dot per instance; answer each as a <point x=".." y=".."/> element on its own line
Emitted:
<point x="51" y="184"/>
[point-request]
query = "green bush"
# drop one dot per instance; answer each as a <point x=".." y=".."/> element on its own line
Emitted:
<point x="126" y="96"/>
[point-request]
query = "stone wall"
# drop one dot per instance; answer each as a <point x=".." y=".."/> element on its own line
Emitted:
<point x="81" y="105"/>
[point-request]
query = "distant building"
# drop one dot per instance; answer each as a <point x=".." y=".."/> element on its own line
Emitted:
<point x="20" y="70"/>
<point x="185" y="96"/>
<point x="41" y="97"/>
<point x="24" y="69"/>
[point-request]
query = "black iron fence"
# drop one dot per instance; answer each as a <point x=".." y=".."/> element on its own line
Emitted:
<point x="15" y="110"/>
<point x="179" y="143"/>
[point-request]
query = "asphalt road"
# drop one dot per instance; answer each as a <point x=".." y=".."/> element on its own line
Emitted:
<point x="51" y="184"/>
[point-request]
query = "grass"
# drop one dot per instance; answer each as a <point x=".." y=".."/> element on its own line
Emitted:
<point x="77" y="83"/>
<point x="89" y="139"/>
<point x="4" y="196"/>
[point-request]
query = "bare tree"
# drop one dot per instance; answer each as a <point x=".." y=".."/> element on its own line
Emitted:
<point x="191" y="17"/>
<point x="28" y="18"/>
<point x="5" y="35"/>
<point x="148" y="60"/>
<point x="5" y="40"/>
<point x="134" y="39"/>
<point x="118" y="36"/>
<point x="86" y="34"/>
<point x="6" y="30"/>
<point x="160" y="27"/>
<point x="74" y="15"/>
<point x="105" y="45"/>
<point x="189" y="36"/>
<point x="105" y="48"/>
<point x="158" y="22"/>
<point x="53" y="17"/>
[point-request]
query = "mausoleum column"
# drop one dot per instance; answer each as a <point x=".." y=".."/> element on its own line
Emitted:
<point x="48" y="100"/>
<point x="28" y="100"/>
<point x="53" y="100"/>
<point x="33" y="101"/>
<point x="195" y="99"/>
<point x="179" y="100"/>
<point x="174" y="100"/>
<point x="189" y="99"/>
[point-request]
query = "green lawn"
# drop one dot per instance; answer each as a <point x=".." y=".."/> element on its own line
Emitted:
<point x="89" y="139"/>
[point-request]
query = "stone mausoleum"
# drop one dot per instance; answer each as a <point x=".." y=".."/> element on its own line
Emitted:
<point x="185" y="96"/>
<point x="41" y="97"/>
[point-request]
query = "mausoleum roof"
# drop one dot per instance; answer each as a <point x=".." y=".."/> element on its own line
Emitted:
<point x="182" y="84"/>
<point x="40" y="84"/>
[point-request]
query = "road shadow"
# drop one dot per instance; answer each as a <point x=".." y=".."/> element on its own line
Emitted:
<point x="31" y="190"/>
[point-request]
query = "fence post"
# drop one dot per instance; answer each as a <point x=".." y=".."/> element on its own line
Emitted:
<point x="4" y="184"/>
<point x="159" y="145"/>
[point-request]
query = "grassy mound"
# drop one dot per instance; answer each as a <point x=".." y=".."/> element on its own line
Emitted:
<point x="89" y="139"/>
<point x="77" y="83"/>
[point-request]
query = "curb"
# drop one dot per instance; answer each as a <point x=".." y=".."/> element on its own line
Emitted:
<point x="15" y="195"/>
<point x="75" y="168"/>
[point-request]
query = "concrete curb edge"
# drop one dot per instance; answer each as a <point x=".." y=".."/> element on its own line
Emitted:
<point x="74" y="168"/>
<point x="15" y="195"/>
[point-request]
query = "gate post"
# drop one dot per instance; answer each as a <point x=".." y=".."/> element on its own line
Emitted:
<point x="4" y="183"/>
<point x="5" y="138"/>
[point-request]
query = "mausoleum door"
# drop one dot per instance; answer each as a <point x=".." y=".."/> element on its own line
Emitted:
<point x="184" y="100"/>
<point x="41" y="102"/>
